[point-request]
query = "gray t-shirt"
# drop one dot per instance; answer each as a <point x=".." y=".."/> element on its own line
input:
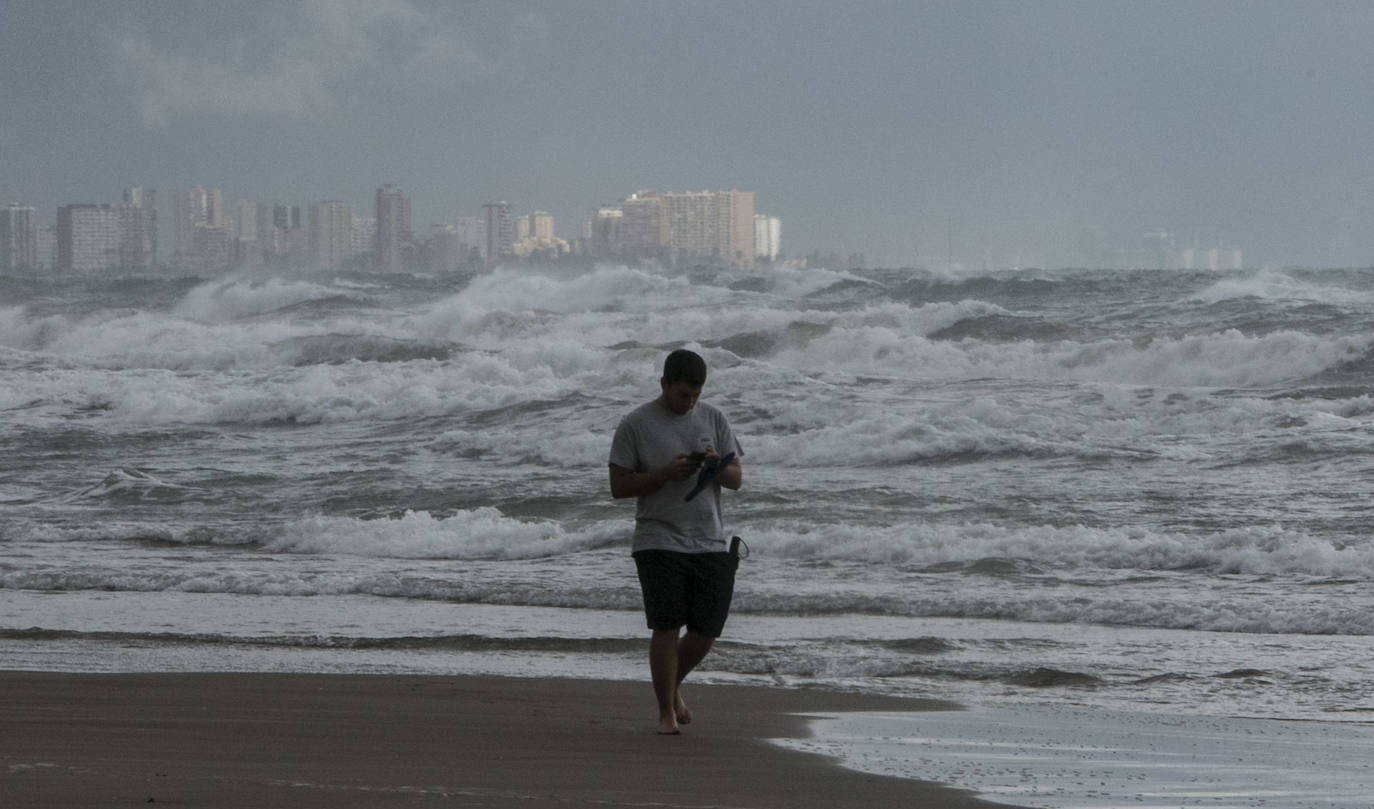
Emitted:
<point x="651" y="436"/>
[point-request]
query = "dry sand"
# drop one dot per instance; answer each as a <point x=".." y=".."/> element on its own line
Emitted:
<point x="343" y="741"/>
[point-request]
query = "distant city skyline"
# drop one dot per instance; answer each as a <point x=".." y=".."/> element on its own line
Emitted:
<point x="997" y="134"/>
<point x="701" y="226"/>
<point x="331" y="234"/>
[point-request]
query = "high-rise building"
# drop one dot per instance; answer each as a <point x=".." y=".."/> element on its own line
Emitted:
<point x="331" y="234"/>
<point x="767" y="237"/>
<point x="287" y="243"/>
<point x="18" y="238"/>
<point x="263" y="225"/>
<point x="141" y="237"/>
<point x="714" y="224"/>
<point x="445" y="250"/>
<point x="47" y="246"/>
<point x="393" y="229"/>
<point x="1159" y="248"/>
<point x="645" y="231"/>
<point x="541" y="228"/>
<point x="735" y="220"/>
<point x="204" y="238"/>
<point x="247" y="225"/>
<point x="691" y="219"/>
<point x="88" y="238"/>
<point x="135" y="248"/>
<point x="196" y="207"/>
<point x="286" y="217"/>
<point x="364" y="236"/>
<point x="250" y="244"/>
<point x="472" y="232"/>
<point x="500" y="235"/>
<point x="604" y="236"/>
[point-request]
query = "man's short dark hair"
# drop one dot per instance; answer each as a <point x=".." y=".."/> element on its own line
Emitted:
<point x="684" y="366"/>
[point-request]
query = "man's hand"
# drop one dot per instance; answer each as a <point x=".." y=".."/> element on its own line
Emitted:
<point x="732" y="476"/>
<point x="680" y="468"/>
<point x="625" y="483"/>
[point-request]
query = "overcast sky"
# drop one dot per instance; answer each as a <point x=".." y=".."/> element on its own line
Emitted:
<point x="885" y="128"/>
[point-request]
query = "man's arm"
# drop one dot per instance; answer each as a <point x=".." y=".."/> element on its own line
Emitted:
<point x="732" y="476"/>
<point x="627" y="483"/>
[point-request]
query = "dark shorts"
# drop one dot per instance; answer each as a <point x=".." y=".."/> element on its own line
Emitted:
<point x="687" y="589"/>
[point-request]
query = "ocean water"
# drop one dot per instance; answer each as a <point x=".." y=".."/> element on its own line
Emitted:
<point x="1139" y="493"/>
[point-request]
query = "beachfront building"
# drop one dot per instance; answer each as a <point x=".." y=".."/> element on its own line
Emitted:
<point x="330" y="231"/>
<point x="47" y="246"/>
<point x="204" y="236"/>
<point x="500" y="232"/>
<point x="138" y="223"/>
<point x="714" y="226"/>
<point x="603" y="231"/>
<point x="88" y="238"/>
<point x="249" y="224"/>
<point x="718" y="225"/>
<point x="365" y="238"/>
<point x="472" y="232"/>
<point x="251" y="231"/>
<point x="285" y="242"/>
<point x="18" y="238"/>
<point x="135" y="246"/>
<point x="541" y="228"/>
<point x="767" y="237"/>
<point x="534" y="236"/>
<point x="394" y="235"/>
<point x="644" y="226"/>
<point x="1210" y="258"/>
<point x="286" y="217"/>
<point x="691" y="219"/>
<point x="1161" y="250"/>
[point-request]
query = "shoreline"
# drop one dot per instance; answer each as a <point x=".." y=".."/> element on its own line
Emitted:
<point x="363" y="740"/>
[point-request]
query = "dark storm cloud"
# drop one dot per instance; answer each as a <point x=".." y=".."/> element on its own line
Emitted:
<point x="1001" y="130"/>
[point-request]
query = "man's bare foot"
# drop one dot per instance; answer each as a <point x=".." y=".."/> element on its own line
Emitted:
<point x="668" y="727"/>
<point x="684" y="716"/>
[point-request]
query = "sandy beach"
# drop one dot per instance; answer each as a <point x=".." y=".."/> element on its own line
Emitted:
<point x="277" y="740"/>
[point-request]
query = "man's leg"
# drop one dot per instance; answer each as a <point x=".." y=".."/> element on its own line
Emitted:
<point x="671" y="659"/>
<point x="663" y="667"/>
<point x="691" y="650"/>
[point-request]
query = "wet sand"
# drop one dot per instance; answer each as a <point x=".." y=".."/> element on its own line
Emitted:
<point x="345" y="741"/>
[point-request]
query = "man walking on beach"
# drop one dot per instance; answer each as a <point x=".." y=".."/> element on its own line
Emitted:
<point x="686" y="570"/>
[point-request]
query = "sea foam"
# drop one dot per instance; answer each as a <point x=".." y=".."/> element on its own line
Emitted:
<point x="481" y="533"/>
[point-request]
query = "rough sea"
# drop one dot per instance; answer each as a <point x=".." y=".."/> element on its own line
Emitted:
<point x="1069" y="493"/>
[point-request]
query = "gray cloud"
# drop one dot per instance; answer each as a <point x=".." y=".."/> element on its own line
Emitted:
<point x="1012" y="134"/>
<point x="302" y="63"/>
